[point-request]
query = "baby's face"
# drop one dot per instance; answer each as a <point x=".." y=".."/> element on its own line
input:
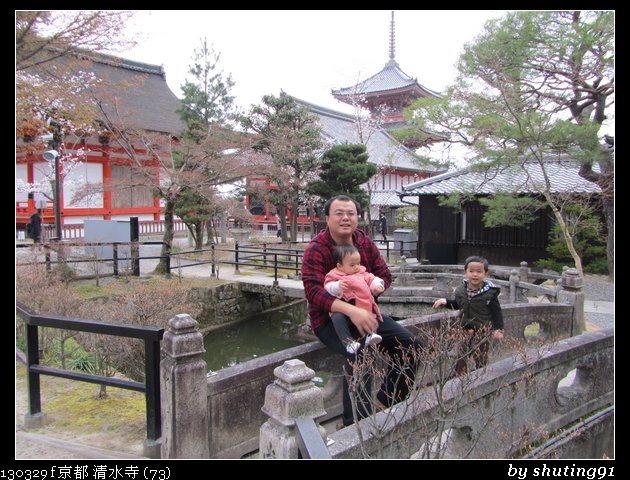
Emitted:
<point x="350" y="264"/>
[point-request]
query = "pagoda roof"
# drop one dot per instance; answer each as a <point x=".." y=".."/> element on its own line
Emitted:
<point x="391" y="78"/>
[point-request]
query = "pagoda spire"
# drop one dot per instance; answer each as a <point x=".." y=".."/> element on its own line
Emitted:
<point x="392" y="43"/>
<point x="388" y="92"/>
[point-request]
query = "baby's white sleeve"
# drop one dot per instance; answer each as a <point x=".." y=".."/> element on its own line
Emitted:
<point x="377" y="282"/>
<point x="334" y="289"/>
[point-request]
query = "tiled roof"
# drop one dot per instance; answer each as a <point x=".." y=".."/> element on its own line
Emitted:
<point x="383" y="149"/>
<point x="139" y="91"/>
<point x="390" y="199"/>
<point x="390" y="78"/>
<point x="562" y="172"/>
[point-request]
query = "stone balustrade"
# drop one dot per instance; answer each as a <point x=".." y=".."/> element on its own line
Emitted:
<point x="234" y="396"/>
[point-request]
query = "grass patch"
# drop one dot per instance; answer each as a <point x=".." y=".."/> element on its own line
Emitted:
<point x="73" y="410"/>
<point x="281" y="271"/>
<point x="92" y="291"/>
<point x="89" y="413"/>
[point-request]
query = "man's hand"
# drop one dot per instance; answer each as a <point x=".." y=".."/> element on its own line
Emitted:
<point x="364" y="321"/>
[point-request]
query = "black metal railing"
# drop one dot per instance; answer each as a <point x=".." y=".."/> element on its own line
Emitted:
<point x="253" y="256"/>
<point x="62" y="248"/>
<point x="151" y="336"/>
<point x="402" y="248"/>
<point x="257" y="256"/>
<point x="250" y="255"/>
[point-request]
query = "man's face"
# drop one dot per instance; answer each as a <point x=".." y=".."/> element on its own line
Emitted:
<point x="342" y="219"/>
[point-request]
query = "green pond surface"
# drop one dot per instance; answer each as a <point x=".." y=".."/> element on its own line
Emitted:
<point x="259" y="335"/>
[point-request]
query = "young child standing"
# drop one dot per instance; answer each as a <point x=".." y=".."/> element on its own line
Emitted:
<point x="478" y="298"/>
<point x="350" y="281"/>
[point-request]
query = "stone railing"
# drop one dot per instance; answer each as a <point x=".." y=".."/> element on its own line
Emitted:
<point x="497" y="412"/>
<point x="411" y="289"/>
<point x="434" y="281"/>
<point x="523" y="271"/>
<point x="232" y="399"/>
<point x="513" y="403"/>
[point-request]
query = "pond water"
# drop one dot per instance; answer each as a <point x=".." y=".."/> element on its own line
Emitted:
<point x="257" y="336"/>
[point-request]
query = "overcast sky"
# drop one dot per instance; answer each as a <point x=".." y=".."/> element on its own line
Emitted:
<point x="306" y="53"/>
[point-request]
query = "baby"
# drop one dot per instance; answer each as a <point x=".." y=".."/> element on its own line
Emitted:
<point x="350" y="281"/>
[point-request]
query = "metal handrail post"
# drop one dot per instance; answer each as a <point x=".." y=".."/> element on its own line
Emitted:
<point x="115" y="258"/>
<point x="152" y="394"/>
<point x="213" y="258"/>
<point x="265" y="255"/>
<point x="32" y="357"/>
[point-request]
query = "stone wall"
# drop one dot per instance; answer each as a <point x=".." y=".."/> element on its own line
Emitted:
<point x="236" y="396"/>
<point x="232" y="302"/>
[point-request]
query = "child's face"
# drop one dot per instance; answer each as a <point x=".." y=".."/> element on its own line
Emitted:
<point x="476" y="274"/>
<point x="350" y="264"/>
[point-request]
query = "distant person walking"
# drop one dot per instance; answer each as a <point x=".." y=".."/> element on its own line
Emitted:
<point x="278" y="226"/>
<point x="34" y="228"/>
<point x="383" y="225"/>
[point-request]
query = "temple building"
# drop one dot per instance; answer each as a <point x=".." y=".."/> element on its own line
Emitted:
<point x="138" y="95"/>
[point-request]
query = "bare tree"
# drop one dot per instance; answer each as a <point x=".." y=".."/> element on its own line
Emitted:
<point x="149" y="304"/>
<point x="440" y="390"/>
<point x="48" y="294"/>
<point x="66" y="32"/>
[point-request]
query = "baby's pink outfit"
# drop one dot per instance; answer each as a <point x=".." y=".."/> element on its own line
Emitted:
<point x="360" y="288"/>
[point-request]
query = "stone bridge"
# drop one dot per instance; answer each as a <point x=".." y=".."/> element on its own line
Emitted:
<point x="526" y="396"/>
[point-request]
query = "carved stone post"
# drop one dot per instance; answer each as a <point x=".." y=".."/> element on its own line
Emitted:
<point x="513" y="284"/>
<point x="571" y="291"/>
<point x="441" y="286"/>
<point x="184" y="391"/>
<point x="292" y="395"/>
<point x="402" y="278"/>
<point x="523" y="275"/>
